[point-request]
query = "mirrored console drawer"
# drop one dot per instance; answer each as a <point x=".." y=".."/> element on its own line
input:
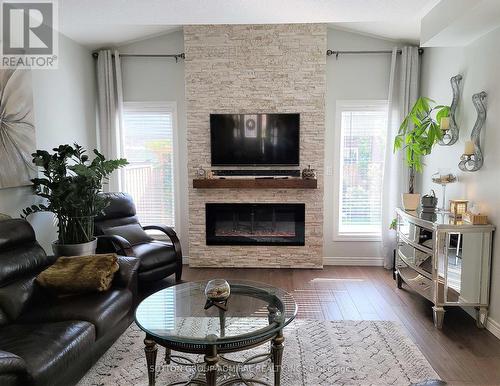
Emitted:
<point x="415" y="257"/>
<point x="416" y="233"/>
<point x="420" y="283"/>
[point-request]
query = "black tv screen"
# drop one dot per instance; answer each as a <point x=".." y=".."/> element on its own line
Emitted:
<point x="255" y="139"/>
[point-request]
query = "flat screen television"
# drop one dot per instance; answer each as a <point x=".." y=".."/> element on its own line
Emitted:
<point x="255" y="139"/>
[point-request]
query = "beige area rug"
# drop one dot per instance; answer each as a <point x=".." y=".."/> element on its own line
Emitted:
<point x="316" y="353"/>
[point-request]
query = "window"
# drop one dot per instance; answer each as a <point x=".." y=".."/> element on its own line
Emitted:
<point x="148" y="145"/>
<point x="361" y="139"/>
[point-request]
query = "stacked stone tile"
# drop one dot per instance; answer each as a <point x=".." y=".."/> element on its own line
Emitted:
<point x="256" y="69"/>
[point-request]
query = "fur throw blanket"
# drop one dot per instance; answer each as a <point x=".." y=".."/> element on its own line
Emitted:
<point x="79" y="274"/>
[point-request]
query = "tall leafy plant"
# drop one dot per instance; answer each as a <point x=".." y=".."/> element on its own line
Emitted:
<point x="71" y="184"/>
<point x="418" y="133"/>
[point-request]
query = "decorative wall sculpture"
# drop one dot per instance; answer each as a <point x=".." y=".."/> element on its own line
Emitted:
<point x="17" y="130"/>
<point x="450" y="136"/>
<point x="472" y="159"/>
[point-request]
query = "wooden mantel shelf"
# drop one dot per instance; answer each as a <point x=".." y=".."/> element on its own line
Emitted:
<point x="252" y="183"/>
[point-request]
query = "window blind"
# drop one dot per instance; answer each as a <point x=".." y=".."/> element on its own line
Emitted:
<point x="148" y="147"/>
<point x="363" y="136"/>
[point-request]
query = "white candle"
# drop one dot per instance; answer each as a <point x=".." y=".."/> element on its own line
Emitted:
<point x="445" y="123"/>
<point x="469" y="148"/>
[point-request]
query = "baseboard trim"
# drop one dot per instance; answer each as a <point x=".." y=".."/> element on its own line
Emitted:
<point x="493" y="327"/>
<point x="370" y="261"/>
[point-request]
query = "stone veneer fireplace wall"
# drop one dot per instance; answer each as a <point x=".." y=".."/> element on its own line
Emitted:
<point x="256" y="69"/>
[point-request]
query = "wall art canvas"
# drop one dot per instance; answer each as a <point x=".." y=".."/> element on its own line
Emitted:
<point x="17" y="129"/>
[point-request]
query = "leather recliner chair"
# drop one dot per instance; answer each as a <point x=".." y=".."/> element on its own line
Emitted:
<point x="118" y="230"/>
<point x="47" y="339"/>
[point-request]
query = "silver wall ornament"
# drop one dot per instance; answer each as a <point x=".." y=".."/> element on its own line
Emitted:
<point x="472" y="159"/>
<point x="450" y="136"/>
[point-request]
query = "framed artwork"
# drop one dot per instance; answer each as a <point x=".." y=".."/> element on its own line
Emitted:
<point x="17" y="129"/>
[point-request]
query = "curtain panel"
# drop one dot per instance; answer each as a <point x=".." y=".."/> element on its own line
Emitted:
<point x="110" y="108"/>
<point x="404" y="83"/>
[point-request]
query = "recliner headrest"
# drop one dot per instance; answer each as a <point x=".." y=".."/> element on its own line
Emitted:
<point x="20" y="254"/>
<point x="15" y="232"/>
<point x="120" y="205"/>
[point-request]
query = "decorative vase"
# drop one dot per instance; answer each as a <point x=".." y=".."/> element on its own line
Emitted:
<point x="308" y="173"/>
<point x="429" y="216"/>
<point x="410" y="201"/>
<point x="201" y="172"/>
<point x="217" y="290"/>
<point x="81" y="249"/>
<point x="429" y="202"/>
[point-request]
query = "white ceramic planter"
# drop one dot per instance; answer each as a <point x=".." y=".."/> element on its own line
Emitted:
<point x="82" y="249"/>
<point x="410" y="201"/>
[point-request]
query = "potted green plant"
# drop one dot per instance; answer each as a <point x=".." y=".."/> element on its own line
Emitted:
<point x="418" y="133"/>
<point x="71" y="184"/>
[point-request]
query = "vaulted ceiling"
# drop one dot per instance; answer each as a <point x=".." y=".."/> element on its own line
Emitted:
<point x="101" y="22"/>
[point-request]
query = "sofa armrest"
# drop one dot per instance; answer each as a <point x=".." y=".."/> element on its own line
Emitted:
<point x="126" y="277"/>
<point x="11" y="363"/>
<point x="120" y="244"/>
<point x="175" y="242"/>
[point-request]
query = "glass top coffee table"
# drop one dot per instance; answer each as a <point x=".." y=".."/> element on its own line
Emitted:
<point x="176" y="318"/>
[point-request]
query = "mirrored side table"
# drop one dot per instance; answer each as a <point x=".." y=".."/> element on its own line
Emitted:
<point x="446" y="261"/>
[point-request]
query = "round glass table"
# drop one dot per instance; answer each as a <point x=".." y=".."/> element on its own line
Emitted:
<point x="180" y="319"/>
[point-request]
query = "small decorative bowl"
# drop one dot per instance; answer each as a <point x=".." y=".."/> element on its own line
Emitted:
<point x="217" y="290"/>
<point x="308" y="173"/>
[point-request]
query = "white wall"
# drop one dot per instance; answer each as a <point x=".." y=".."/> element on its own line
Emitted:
<point x="162" y="79"/>
<point x="64" y="102"/>
<point x="350" y="77"/>
<point x="478" y="63"/>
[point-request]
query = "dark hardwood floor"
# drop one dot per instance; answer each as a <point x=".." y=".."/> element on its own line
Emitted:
<point x="460" y="353"/>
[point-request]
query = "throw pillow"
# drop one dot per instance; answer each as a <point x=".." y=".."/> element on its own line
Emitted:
<point x="133" y="233"/>
<point x="77" y="274"/>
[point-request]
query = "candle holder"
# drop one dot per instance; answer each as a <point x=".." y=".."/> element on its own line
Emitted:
<point x="450" y="135"/>
<point x="474" y="161"/>
<point x="443" y="178"/>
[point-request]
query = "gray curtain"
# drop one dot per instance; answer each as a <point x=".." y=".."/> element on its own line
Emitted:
<point x="404" y="83"/>
<point x="110" y="106"/>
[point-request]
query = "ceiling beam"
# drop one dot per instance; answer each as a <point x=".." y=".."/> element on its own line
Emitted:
<point x="458" y="23"/>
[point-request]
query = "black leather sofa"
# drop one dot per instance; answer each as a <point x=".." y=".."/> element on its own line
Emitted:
<point x="51" y="340"/>
<point x="118" y="230"/>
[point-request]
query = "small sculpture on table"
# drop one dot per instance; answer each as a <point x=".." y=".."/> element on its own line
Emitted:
<point x="443" y="178"/>
<point x="217" y="292"/>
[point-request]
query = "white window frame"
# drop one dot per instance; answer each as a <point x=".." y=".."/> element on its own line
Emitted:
<point x="353" y="105"/>
<point x="171" y="106"/>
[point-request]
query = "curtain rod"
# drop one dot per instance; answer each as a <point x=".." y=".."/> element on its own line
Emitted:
<point x="328" y="53"/>
<point x="337" y="53"/>
<point x="176" y="56"/>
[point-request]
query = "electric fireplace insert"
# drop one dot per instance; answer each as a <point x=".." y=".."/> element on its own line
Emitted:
<point x="255" y="224"/>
